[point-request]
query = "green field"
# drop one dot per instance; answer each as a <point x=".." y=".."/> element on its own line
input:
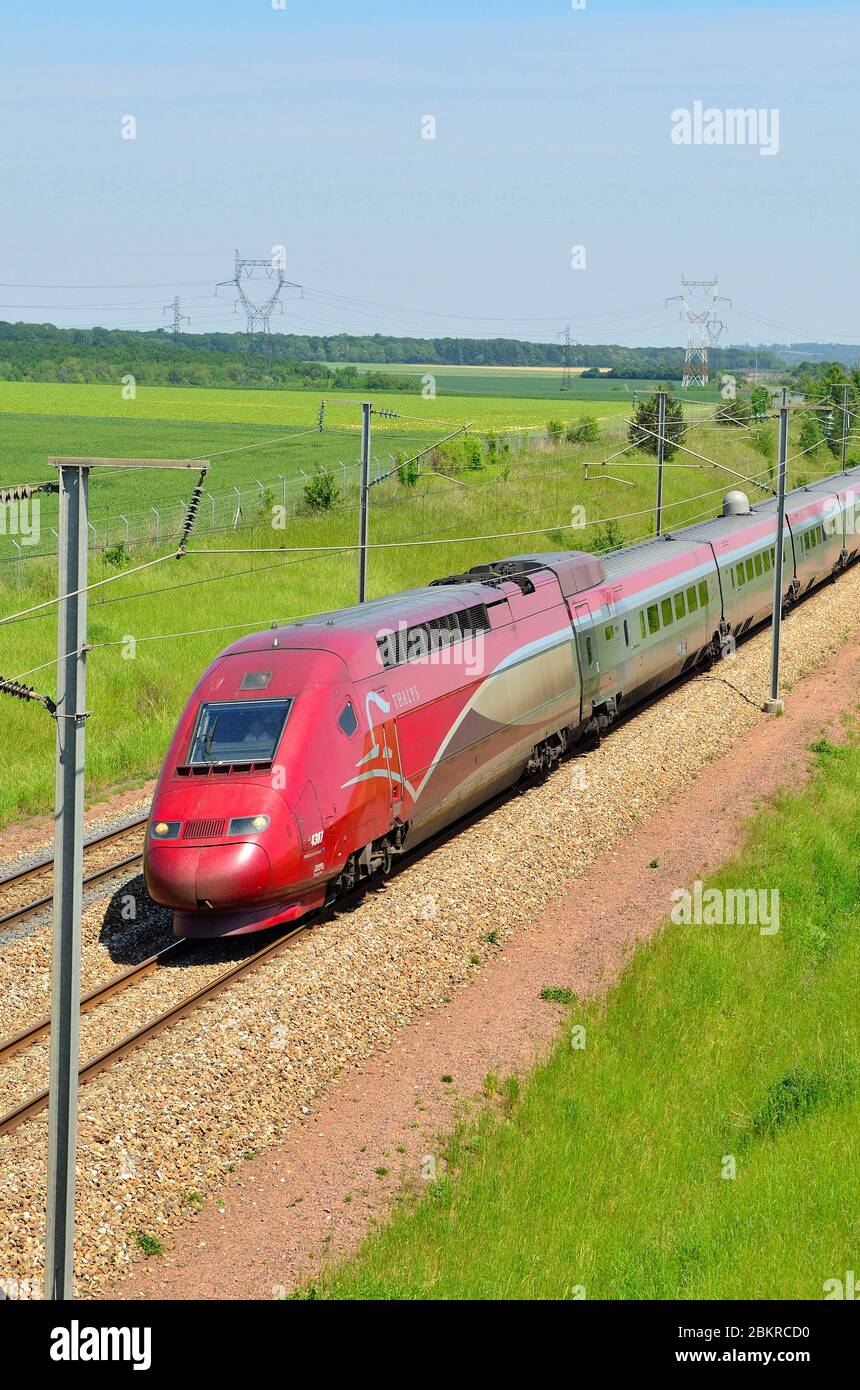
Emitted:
<point x="537" y="383"/>
<point x="136" y="692"/>
<point x="37" y="421"/>
<point x="296" y="409"/>
<point x="605" y="1176"/>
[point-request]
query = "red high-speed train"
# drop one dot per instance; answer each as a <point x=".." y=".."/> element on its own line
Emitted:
<point x="309" y="756"/>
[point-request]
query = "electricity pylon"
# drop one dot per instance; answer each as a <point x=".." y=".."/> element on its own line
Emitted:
<point x="698" y="300"/>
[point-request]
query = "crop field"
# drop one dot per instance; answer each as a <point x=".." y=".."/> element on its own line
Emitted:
<point x="536" y="383"/>
<point x="293" y="409"/>
<point x="605" y="1176"/>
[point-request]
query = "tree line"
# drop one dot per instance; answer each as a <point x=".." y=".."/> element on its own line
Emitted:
<point x="43" y="352"/>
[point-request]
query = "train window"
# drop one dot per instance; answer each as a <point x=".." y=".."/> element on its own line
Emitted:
<point x="680" y="610"/>
<point x="766" y="558"/>
<point x="666" y="612"/>
<point x="750" y="569"/>
<point x="692" y="601"/>
<point x="653" y="619"/>
<point x="238" y="731"/>
<point x="347" y="720"/>
<point x="703" y="593"/>
<point x="609" y="632"/>
<point x="626" y="633"/>
<point x="759" y="566"/>
<point x="642" y="627"/>
<point x="588" y="651"/>
<point x="740" y="575"/>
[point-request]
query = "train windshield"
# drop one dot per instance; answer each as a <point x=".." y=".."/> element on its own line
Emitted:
<point x="238" y="731"/>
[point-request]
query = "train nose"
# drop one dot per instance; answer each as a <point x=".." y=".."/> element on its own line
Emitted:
<point x="217" y="876"/>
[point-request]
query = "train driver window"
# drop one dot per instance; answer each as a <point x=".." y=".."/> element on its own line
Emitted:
<point x="230" y="731"/>
<point x="347" y="721"/>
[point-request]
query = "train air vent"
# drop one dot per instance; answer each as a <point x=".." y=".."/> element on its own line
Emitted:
<point x="203" y="829"/>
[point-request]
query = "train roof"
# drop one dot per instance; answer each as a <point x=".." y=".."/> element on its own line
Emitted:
<point x="657" y="549"/>
<point x="352" y="633"/>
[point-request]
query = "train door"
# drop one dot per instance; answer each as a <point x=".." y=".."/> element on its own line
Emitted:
<point x="589" y="665"/>
<point x="384" y="755"/>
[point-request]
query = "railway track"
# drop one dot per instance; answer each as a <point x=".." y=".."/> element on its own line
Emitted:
<point x="42" y="874"/>
<point x="37" y="1102"/>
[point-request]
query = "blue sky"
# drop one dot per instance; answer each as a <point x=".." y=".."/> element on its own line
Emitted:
<point x="257" y="127"/>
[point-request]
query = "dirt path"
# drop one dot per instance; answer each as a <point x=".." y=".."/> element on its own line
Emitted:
<point x="286" y="1211"/>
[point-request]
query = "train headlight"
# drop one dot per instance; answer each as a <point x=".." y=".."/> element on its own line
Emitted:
<point x="247" y="825"/>
<point x="165" y="829"/>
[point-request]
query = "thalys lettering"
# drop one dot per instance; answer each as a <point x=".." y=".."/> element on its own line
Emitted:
<point x="308" y="757"/>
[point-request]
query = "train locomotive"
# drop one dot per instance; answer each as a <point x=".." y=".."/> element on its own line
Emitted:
<point x="309" y="756"/>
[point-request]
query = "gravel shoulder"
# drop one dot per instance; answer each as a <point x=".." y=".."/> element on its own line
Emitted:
<point x="286" y="1094"/>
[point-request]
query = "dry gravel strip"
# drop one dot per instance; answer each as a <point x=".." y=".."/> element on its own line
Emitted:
<point x="174" y="1117"/>
<point x="110" y="941"/>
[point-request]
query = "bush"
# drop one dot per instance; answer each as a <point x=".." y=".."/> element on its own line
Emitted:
<point x="811" y="436"/>
<point x="473" y="454"/>
<point x="322" y="492"/>
<point x="583" y="431"/>
<point x="408" y="472"/>
<point x="117" y="555"/>
<point x="555" y="431"/>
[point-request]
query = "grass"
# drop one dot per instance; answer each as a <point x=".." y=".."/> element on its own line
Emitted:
<point x="718" y="1051"/>
<point x="556" y="994"/>
<point x="149" y="1245"/>
<point x="38" y="421"/>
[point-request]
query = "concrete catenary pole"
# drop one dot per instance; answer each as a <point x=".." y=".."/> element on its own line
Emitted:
<point x="661" y="455"/>
<point x="775" y="705"/>
<point x="845" y="425"/>
<point x="68" y="873"/>
<point x="364" y="488"/>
